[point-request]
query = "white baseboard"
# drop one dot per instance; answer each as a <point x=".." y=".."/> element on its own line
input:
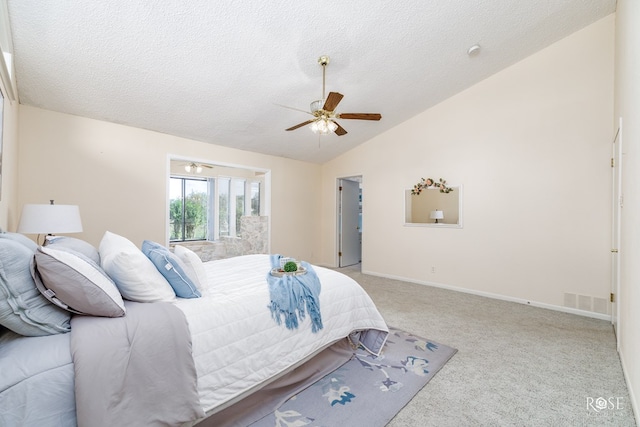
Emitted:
<point x="494" y="296"/>
<point x="632" y="397"/>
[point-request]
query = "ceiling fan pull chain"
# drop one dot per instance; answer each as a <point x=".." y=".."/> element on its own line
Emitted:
<point x="324" y="67"/>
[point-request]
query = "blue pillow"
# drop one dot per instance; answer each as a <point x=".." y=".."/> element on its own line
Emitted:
<point x="170" y="266"/>
<point x="22" y="308"/>
<point x="20" y="238"/>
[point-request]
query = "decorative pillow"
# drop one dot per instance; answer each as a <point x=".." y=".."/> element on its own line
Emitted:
<point x="22" y="308"/>
<point x="192" y="261"/>
<point x="78" y="282"/>
<point x="20" y="238"/>
<point x="77" y="245"/>
<point x="172" y="269"/>
<point x="134" y="274"/>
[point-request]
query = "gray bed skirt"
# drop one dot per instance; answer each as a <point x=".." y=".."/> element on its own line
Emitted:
<point x="267" y="399"/>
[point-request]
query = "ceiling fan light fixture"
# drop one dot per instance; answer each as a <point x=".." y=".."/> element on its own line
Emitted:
<point x="192" y="167"/>
<point x="320" y="127"/>
<point x="323" y="126"/>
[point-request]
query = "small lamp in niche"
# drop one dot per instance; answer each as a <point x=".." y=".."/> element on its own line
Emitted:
<point x="49" y="219"/>
<point x="437" y="214"/>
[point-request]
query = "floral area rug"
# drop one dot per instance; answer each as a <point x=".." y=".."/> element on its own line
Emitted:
<point x="367" y="390"/>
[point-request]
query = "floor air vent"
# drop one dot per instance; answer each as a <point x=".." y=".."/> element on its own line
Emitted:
<point x="586" y="302"/>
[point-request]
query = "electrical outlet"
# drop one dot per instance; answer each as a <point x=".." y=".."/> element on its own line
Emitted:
<point x="433" y="269"/>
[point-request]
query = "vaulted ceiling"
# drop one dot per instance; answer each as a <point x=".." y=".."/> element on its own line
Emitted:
<point x="223" y="72"/>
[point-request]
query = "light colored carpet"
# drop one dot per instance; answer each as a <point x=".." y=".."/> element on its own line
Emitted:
<point x="516" y="365"/>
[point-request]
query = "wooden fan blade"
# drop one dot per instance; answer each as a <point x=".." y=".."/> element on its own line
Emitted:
<point x="339" y="130"/>
<point x="300" y="125"/>
<point x="360" y="116"/>
<point x="332" y="101"/>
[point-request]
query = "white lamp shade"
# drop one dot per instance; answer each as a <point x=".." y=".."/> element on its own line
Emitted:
<point x="49" y="219"/>
<point x="436" y="215"/>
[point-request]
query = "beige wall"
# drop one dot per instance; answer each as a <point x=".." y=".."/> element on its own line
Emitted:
<point x="531" y="145"/>
<point x="627" y="107"/>
<point x="118" y="176"/>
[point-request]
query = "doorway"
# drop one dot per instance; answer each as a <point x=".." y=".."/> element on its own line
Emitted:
<point x="616" y="206"/>
<point x="349" y="220"/>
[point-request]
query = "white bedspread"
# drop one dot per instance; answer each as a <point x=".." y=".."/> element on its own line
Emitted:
<point x="238" y="346"/>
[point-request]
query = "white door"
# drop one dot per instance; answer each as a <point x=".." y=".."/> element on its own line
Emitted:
<point x="349" y="251"/>
<point x="616" y="206"/>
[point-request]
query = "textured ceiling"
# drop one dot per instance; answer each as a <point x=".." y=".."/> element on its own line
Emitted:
<point x="218" y="71"/>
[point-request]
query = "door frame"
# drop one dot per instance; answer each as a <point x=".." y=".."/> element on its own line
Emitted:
<point x="616" y="219"/>
<point x="357" y="177"/>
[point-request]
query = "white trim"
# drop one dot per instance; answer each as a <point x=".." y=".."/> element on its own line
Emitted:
<point x="494" y="296"/>
<point x="7" y="69"/>
<point x="632" y="398"/>
<point x="167" y="201"/>
<point x="616" y="232"/>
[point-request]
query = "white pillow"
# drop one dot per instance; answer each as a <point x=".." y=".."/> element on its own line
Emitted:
<point x="192" y="261"/>
<point x="134" y="274"/>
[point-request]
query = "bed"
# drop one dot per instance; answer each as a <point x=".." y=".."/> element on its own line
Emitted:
<point x="234" y="362"/>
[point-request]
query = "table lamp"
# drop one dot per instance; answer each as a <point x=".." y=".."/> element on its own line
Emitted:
<point x="436" y="215"/>
<point x="49" y="219"/>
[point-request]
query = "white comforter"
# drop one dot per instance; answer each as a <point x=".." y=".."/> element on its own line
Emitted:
<point x="237" y="346"/>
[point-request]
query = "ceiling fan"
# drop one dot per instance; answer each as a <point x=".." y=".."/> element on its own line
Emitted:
<point x="195" y="167"/>
<point x="323" y="110"/>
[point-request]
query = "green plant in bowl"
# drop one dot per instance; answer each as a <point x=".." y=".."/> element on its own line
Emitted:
<point x="290" y="267"/>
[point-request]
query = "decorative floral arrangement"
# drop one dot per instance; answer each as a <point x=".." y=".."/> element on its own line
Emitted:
<point x="430" y="183"/>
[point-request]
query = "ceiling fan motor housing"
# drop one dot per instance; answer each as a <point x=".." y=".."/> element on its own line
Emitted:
<point x="317" y="105"/>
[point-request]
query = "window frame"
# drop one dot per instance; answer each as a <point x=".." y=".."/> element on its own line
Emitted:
<point x="183" y="186"/>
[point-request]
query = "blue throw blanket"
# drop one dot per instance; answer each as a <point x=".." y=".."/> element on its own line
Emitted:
<point x="292" y="296"/>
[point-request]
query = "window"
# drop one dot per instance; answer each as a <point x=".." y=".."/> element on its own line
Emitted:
<point x="238" y="185"/>
<point x="208" y="208"/>
<point x="255" y="198"/>
<point x="223" y="206"/>
<point x="188" y="217"/>
<point x="7" y="74"/>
